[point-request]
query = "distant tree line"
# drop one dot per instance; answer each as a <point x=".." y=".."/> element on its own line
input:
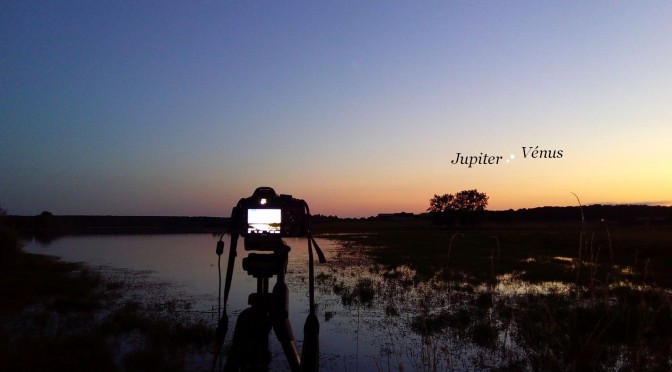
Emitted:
<point x="623" y="214"/>
<point x="466" y="208"/>
<point x="47" y="226"/>
<point x="318" y="218"/>
<point x="10" y="246"/>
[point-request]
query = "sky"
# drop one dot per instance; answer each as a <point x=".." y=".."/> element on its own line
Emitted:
<point x="359" y="108"/>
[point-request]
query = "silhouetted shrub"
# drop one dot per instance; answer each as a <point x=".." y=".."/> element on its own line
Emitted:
<point x="10" y="246"/>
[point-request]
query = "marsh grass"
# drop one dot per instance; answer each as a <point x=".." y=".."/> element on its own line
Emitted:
<point x="591" y="296"/>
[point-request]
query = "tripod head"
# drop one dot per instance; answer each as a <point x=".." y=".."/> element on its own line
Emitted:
<point x="266" y="265"/>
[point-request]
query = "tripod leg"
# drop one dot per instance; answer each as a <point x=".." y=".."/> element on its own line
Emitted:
<point x="281" y="325"/>
<point x="249" y="349"/>
<point x="310" y="356"/>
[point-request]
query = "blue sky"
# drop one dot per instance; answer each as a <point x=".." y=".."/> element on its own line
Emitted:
<point x="182" y="108"/>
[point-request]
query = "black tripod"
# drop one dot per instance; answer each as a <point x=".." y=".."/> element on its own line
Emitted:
<point x="250" y="348"/>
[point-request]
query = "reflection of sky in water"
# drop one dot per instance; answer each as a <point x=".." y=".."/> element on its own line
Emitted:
<point x="190" y="262"/>
<point x="371" y="318"/>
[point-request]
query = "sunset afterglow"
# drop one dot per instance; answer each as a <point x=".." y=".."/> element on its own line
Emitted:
<point x="182" y="108"/>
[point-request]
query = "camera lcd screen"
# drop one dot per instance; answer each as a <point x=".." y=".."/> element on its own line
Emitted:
<point x="264" y="221"/>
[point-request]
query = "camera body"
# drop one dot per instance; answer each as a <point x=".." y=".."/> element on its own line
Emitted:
<point x="266" y="217"/>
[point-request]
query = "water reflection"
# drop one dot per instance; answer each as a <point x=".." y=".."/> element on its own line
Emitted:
<point x="390" y="318"/>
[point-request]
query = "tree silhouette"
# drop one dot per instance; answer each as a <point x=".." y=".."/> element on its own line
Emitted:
<point x="466" y="208"/>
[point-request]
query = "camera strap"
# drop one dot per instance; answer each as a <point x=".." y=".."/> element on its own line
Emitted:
<point x="310" y="354"/>
<point x="223" y="324"/>
<point x="320" y="255"/>
<point x="229" y="268"/>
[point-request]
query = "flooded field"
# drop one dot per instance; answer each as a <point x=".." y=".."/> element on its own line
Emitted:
<point x="460" y="305"/>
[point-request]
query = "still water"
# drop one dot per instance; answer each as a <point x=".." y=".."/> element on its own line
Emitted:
<point x="357" y="331"/>
<point x="391" y="319"/>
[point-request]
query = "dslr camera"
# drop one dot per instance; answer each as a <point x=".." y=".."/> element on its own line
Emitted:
<point x="264" y="218"/>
